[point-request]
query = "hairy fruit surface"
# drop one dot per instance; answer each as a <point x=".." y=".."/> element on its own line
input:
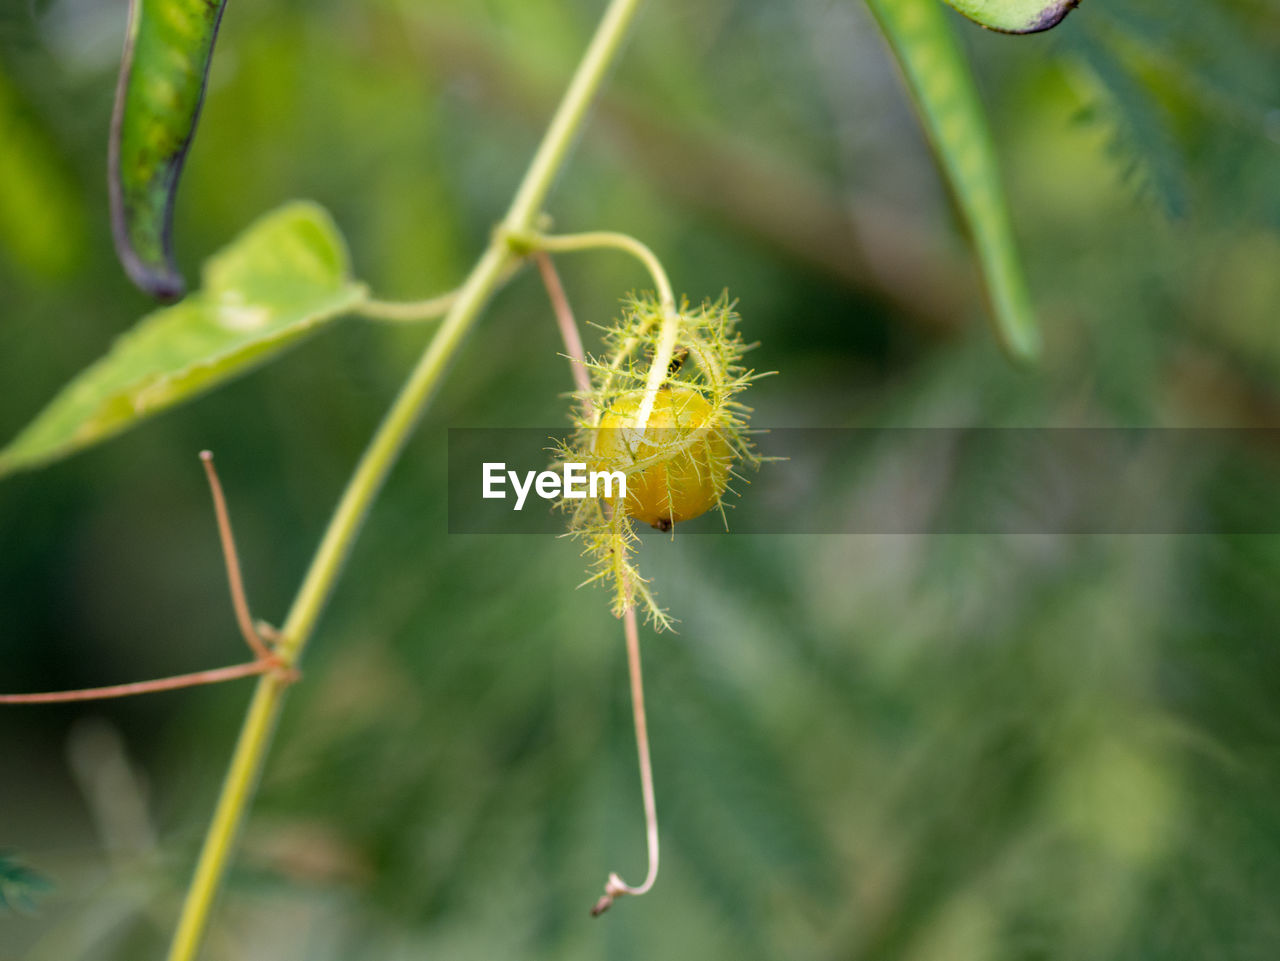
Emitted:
<point x="677" y="466"/>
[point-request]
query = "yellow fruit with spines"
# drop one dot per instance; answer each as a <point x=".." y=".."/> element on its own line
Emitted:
<point x="677" y="466"/>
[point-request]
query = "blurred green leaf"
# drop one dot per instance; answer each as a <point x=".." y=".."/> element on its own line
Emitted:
<point x="276" y="283"/>
<point x="1187" y="99"/>
<point x="1016" y="16"/>
<point x="1138" y="136"/>
<point x="158" y="100"/>
<point x="19" y="884"/>
<point x="41" y="223"/>
<point x="941" y="84"/>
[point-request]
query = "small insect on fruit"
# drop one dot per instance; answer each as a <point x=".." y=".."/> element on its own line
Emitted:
<point x="678" y="357"/>
<point x="677" y="466"/>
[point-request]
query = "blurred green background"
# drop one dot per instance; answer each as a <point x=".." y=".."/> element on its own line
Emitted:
<point x="951" y="747"/>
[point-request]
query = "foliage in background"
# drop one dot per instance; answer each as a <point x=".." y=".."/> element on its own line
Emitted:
<point x="285" y="276"/>
<point x="19" y="884"/>
<point x="947" y="747"/>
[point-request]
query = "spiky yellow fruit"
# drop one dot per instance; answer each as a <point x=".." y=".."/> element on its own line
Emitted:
<point x="677" y="466"/>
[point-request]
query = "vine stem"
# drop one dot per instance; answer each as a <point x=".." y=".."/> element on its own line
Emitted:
<point x="573" y="348"/>
<point x="614" y="886"/>
<point x="362" y="489"/>
<point x="406" y="311"/>
<point x="595" y="240"/>
<point x="605" y="239"/>
<point x="239" y="602"/>
<point x="416" y="311"/>
<point x="264" y="660"/>
<point x="172" y="683"/>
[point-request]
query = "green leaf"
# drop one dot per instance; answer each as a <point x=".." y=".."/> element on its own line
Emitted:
<point x="162" y="79"/>
<point x="1139" y="136"/>
<point x="277" y="282"/>
<point x="19" y="884"/>
<point x="942" y="86"/>
<point x="1016" y="16"/>
<point x="41" y="222"/>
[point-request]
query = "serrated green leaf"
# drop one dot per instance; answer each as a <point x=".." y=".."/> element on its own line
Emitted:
<point x="1140" y="139"/>
<point x="1016" y="16"/>
<point x="942" y="86"/>
<point x="162" y="78"/>
<point x="277" y="282"/>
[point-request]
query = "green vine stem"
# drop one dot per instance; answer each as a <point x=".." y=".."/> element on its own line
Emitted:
<point x="418" y="311"/>
<point x="600" y="239"/>
<point x="407" y="311"/>
<point x="485" y="278"/>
